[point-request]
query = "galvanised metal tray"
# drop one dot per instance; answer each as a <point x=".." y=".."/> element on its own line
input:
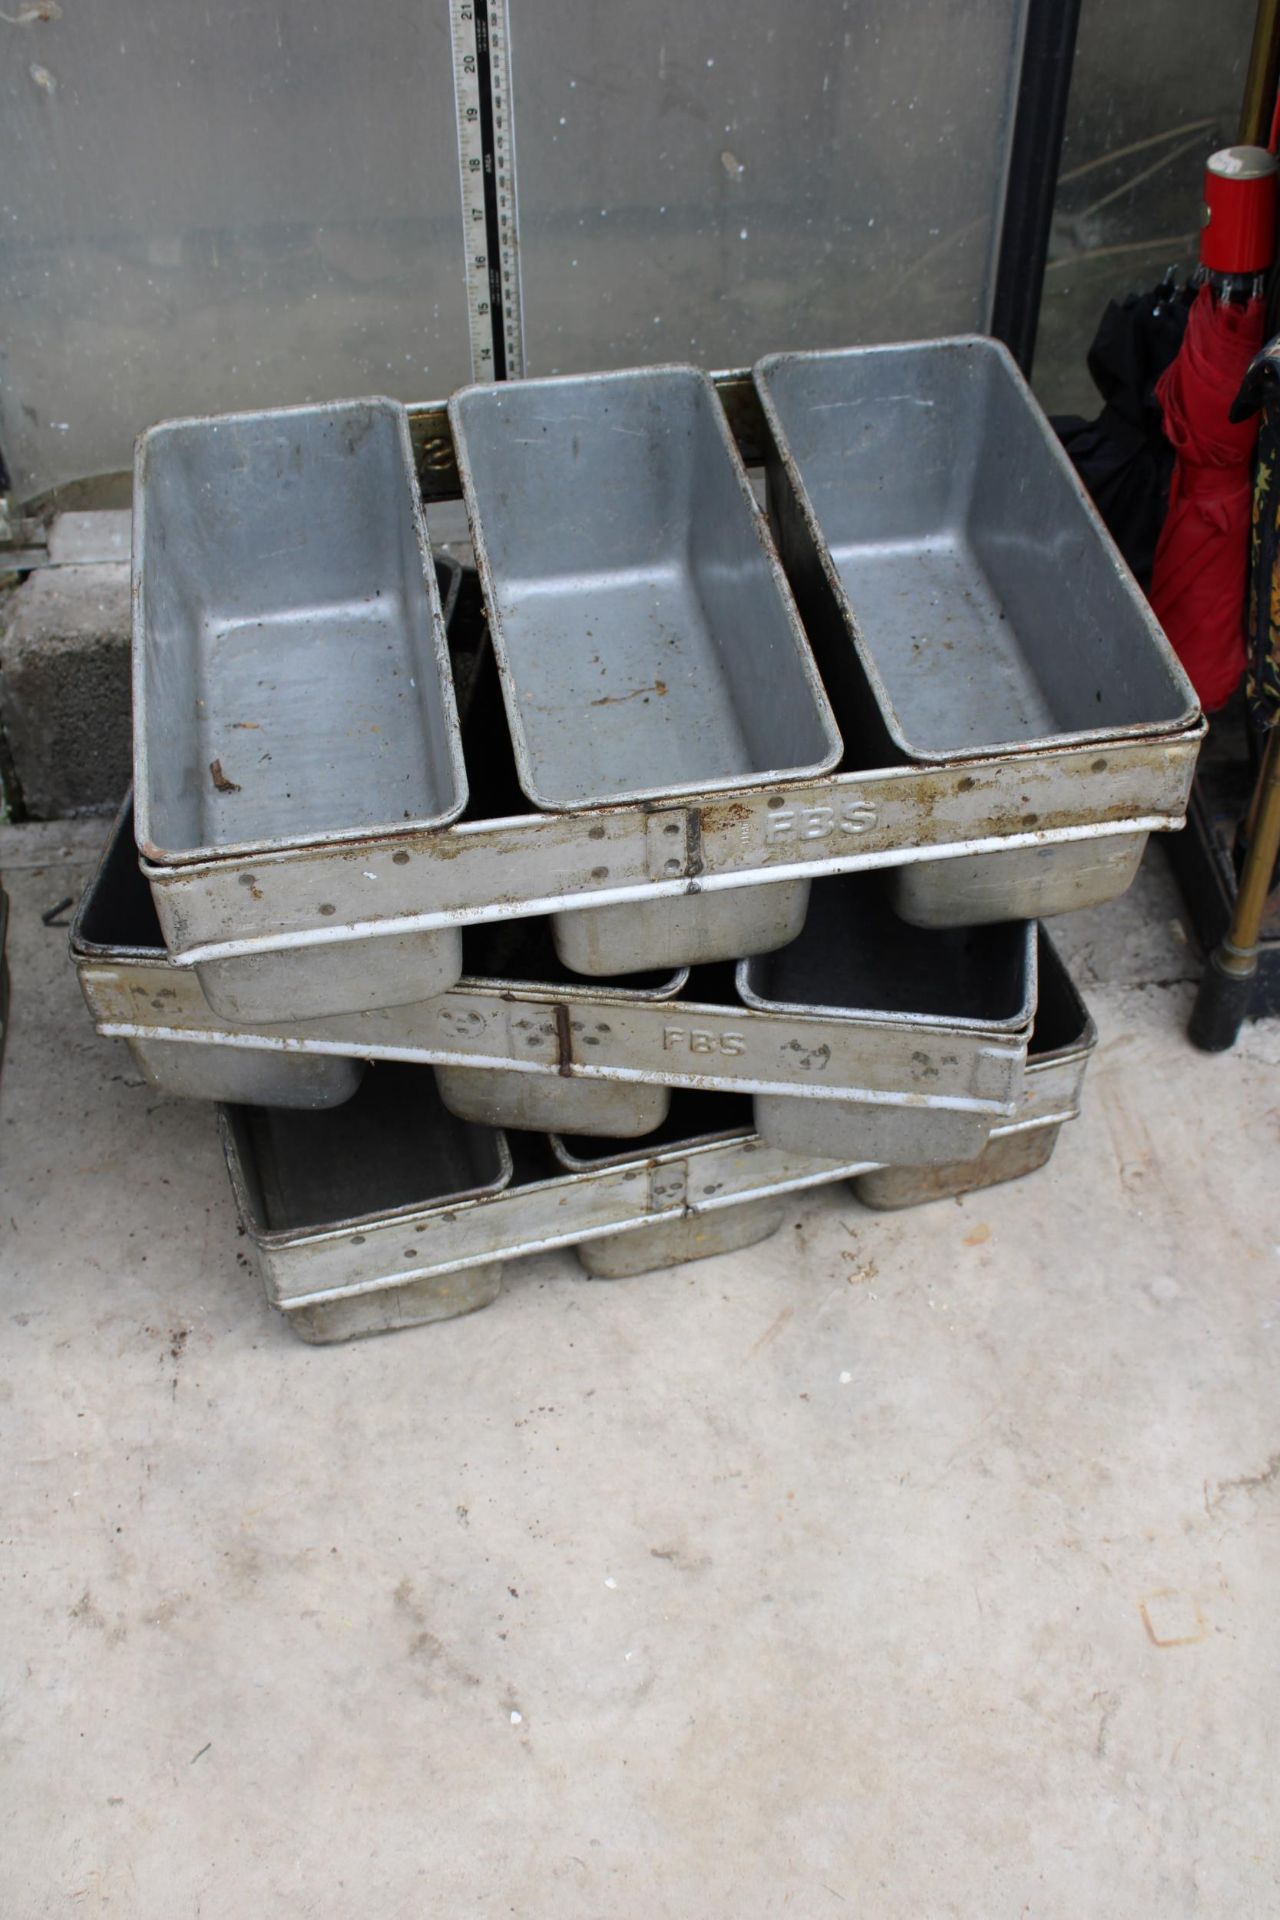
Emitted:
<point x="340" y="1261"/>
<point x="674" y="1241"/>
<point x="1062" y="1044"/>
<point x="957" y="585"/>
<point x="647" y="640"/>
<point x="648" y="643"/>
<point x="292" y="687"/>
<point x="371" y="1174"/>
<point x="121" y="965"/>
<point x="339" y="1265"/>
<point x="875" y="811"/>
<point x="519" y="1015"/>
<point x="958" y="1002"/>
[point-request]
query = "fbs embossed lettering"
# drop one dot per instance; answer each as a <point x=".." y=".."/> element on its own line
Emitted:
<point x="702" y="1040"/>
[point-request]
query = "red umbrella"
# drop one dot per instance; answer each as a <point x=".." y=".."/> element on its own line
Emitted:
<point x="1201" y="565"/>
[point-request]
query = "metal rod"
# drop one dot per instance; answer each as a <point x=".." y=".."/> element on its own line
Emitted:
<point x="1264" y="844"/>
<point x="1049" y="46"/>
<point x="1261" y="76"/>
<point x="1222" y="1003"/>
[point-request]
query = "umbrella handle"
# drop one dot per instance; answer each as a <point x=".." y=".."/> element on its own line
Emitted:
<point x="1226" y="988"/>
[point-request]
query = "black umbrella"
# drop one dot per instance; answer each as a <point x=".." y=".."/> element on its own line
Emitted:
<point x="1122" y="457"/>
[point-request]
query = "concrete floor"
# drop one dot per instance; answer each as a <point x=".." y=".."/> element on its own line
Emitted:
<point x="908" y="1565"/>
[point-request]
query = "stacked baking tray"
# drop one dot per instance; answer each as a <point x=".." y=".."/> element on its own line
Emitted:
<point x="410" y="1214"/>
<point x="641" y="869"/>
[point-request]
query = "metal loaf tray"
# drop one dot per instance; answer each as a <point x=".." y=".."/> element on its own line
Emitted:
<point x="306" y="1185"/>
<point x="948" y="1004"/>
<point x="292" y="690"/>
<point x="506" y="858"/>
<point x="671" y="1242"/>
<point x="647" y="641"/>
<point x="520" y="1016"/>
<point x="962" y="596"/>
<point x="513" y="972"/>
<point x="1062" y="1044"/>
<point x="123" y="968"/>
<point x="354" y="1265"/>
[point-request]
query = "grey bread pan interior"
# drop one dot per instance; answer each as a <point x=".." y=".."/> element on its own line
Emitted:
<point x="393" y="1149"/>
<point x="857" y="958"/>
<point x="1061" y="1045"/>
<point x="116" y="920"/>
<point x="958" y="586"/>
<point x="345" y="976"/>
<point x="646" y="637"/>
<point x="291" y="674"/>
<point x="694" y="1119"/>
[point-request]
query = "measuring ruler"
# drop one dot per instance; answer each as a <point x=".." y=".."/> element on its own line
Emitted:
<point x="487" y="159"/>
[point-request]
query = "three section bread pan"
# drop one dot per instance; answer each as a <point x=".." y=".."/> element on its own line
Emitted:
<point x="1063" y="1041"/>
<point x="963" y="598"/>
<point x="340" y="1257"/>
<point x="508" y="858"/>
<point x="954" y="1005"/>
<point x="292" y="691"/>
<point x="521" y="1039"/>
<point x="647" y="640"/>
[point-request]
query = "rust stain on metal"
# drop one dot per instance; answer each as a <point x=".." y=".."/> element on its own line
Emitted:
<point x="694" y="863"/>
<point x="564" y="1041"/>
<point x="636" y="693"/>
<point x="733" y="813"/>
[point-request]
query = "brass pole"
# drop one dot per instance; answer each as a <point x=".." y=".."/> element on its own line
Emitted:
<point x="1222" y="1003"/>
<point x="1261" y="76"/>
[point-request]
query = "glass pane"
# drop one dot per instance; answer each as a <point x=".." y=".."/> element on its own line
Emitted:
<point x="710" y="183"/>
<point x="210" y="206"/>
<point x="1154" y="90"/>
